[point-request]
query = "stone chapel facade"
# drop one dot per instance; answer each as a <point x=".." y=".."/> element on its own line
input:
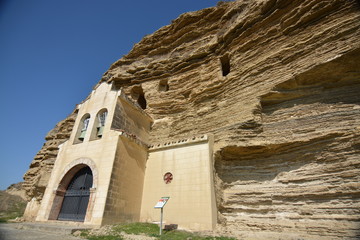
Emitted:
<point x="247" y="115"/>
<point x="106" y="173"/>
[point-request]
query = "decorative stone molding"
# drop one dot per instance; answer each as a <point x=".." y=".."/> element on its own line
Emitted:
<point x="131" y="137"/>
<point x="86" y="161"/>
<point x="66" y="176"/>
<point x="179" y="142"/>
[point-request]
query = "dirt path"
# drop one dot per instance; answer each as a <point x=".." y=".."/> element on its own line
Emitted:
<point x="11" y="231"/>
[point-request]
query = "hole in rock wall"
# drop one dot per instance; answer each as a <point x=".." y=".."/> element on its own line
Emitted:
<point x="142" y="101"/>
<point x="138" y="95"/>
<point x="225" y="65"/>
<point x="187" y="94"/>
<point x="163" y="86"/>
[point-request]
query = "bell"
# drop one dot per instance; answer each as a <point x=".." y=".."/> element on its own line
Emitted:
<point x="82" y="135"/>
<point x="100" y="131"/>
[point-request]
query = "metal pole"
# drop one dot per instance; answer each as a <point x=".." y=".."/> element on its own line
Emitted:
<point x="161" y="220"/>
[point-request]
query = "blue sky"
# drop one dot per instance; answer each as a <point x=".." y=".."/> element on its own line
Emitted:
<point x="51" y="55"/>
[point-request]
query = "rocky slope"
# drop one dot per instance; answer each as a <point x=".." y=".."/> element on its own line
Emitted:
<point x="17" y="189"/>
<point x="277" y="83"/>
<point x="11" y="206"/>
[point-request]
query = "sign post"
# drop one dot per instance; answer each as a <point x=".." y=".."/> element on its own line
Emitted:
<point x="160" y="204"/>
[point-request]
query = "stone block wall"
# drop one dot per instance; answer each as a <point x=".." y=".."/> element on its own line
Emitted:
<point x="191" y="189"/>
<point x="123" y="201"/>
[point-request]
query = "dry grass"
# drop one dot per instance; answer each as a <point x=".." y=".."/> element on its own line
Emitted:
<point x="11" y="206"/>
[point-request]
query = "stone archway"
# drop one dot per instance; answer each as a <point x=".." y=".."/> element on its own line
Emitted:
<point x="61" y="194"/>
<point x="76" y="198"/>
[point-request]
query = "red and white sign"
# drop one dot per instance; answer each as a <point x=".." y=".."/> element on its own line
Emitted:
<point x="161" y="203"/>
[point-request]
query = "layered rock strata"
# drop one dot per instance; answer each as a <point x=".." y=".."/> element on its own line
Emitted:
<point x="277" y="83"/>
<point x="37" y="177"/>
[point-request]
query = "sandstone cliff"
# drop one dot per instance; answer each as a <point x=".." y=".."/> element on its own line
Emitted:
<point x="277" y="82"/>
<point x="36" y="178"/>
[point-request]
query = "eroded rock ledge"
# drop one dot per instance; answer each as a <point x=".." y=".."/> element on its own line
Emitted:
<point x="277" y="82"/>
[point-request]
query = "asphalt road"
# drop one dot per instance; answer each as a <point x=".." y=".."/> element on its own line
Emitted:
<point x="10" y="231"/>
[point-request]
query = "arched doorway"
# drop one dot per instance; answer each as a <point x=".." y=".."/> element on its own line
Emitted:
<point x="77" y="195"/>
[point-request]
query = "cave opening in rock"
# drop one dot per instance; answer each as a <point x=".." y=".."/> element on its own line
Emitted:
<point x="137" y="93"/>
<point x="163" y="86"/>
<point x="225" y="65"/>
<point x="142" y="101"/>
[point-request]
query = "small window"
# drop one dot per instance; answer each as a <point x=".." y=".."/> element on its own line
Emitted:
<point x="225" y="65"/>
<point x="163" y="86"/>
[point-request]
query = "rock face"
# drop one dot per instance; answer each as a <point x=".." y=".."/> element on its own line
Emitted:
<point x="36" y="178"/>
<point x="277" y="83"/>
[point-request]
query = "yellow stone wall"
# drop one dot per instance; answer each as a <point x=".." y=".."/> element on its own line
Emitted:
<point x="123" y="202"/>
<point x="192" y="200"/>
<point x="98" y="154"/>
<point x="103" y="155"/>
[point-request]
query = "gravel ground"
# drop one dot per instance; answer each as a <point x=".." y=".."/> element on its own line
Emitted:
<point x="14" y="231"/>
<point x="10" y="231"/>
